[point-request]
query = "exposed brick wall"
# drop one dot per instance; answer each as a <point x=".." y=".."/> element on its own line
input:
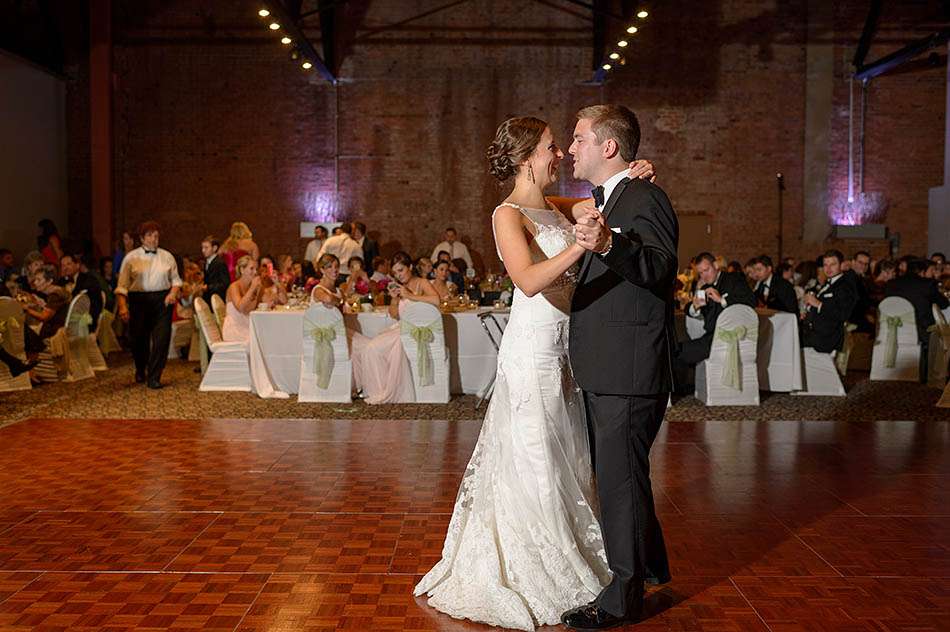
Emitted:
<point x="215" y="124"/>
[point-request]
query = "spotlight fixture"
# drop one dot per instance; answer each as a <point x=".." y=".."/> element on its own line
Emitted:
<point x="306" y="65"/>
<point x="632" y="30"/>
<point x="622" y="43"/>
<point x="286" y="40"/>
<point x="274" y="26"/>
<point x="642" y="14"/>
<point x="606" y="66"/>
<point x="615" y="56"/>
<point x="263" y="13"/>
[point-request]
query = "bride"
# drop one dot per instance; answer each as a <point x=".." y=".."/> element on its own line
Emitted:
<point x="524" y="543"/>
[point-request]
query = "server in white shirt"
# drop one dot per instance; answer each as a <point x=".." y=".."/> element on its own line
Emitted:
<point x="147" y="290"/>
<point x="455" y="248"/>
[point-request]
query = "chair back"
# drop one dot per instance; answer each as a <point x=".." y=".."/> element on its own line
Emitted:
<point x="325" y="368"/>
<point x="423" y="339"/>
<point x="896" y="315"/>
<point x="939" y="318"/>
<point x="735" y="344"/>
<point x="11" y="326"/>
<point x="209" y="326"/>
<point x="78" y="318"/>
<point x="220" y="310"/>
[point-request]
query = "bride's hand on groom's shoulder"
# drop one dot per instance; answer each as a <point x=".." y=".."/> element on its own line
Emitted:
<point x="642" y="169"/>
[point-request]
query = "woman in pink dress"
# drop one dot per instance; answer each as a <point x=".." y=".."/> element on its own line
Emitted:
<point x="380" y="366"/>
<point x="239" y="243"/>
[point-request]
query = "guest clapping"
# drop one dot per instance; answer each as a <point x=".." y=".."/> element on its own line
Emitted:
<point x="243" y="296"/>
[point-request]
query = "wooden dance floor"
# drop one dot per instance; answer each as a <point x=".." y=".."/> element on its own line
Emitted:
<point x="323" y="525"/>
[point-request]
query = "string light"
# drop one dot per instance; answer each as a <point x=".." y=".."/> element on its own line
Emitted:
<point x="632" y="30"/>
<point x="286" y="40"/>
<point x="307" y="65"/>
<point x="274" y="26"/>
<point x="642" y="14"/>
<point x="606" y="66"/>
<point x="263" y="13"/>
<point x="622" y="43"/>
<point x="615" y="55"/>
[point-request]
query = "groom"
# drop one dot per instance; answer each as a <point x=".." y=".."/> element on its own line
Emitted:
<point x="621" y="344"/>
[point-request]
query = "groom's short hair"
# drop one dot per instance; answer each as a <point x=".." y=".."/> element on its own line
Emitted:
<point x="617" y="122"/>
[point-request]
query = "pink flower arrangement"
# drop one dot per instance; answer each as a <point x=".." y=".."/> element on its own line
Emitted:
<point x="361" y="287"/>
<point x="382" y="284"/>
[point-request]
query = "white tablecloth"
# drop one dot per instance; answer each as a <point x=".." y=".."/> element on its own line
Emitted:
<point x="277" y="340"/>
<point x="779" y="357"/>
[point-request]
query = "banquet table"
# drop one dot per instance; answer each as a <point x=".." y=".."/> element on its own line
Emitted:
<point x="779" y="357"/>
<point x="276" y="345"/>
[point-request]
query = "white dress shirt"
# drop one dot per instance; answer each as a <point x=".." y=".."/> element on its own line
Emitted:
<point x="343" y="246"/>
<point x="611" y="184"/>
<point x="768" y="286"/>
<point x="456" y="250"/>
<point x="313" y="249"/>
<point x="143" y="272"/>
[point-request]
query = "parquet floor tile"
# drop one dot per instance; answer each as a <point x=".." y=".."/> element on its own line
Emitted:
<point x="12" y="582"/>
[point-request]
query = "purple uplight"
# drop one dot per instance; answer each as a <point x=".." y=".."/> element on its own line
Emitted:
<point x="867" y="208"/>
<point x="320" y="206"/>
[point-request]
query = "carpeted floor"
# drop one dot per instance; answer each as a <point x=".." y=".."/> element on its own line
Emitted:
<point x="114" y="395"/>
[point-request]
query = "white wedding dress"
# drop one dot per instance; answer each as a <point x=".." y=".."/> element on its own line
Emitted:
<point x="524" y="543"/>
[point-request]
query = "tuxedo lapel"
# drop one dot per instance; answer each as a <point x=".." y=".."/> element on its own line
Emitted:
<point x="608" y="207"/>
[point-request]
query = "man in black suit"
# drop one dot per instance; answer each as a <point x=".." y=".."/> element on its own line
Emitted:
<point x="828" y="309"/>
<point x="75" y="281"/>
<point x="621" y="344"/>
<point x="718" y="289"/>
<point x="858" y="275"/>
<point x="771" y="290"/>
<point x="216" y="275"/>
<point x="370" y="247"/>
<point x="922" y="292"/>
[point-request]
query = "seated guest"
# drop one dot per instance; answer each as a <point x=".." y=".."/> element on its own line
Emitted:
<point x="300" y="277"/>
<point x="733" y="267"/>
<point x="314" y="245"/>
<point x="342" y="245"/>
<point x="922" y="292"/>
<point x="441" y="283"/>
<point x="717" y="290"/>
<point x="380" y="366"/>
<point x="49" y="242"/>
<point x="239" y="243"/>
<point x="787" y="272"/>
<point x="50" y="313"/>
<point x="273" y="291"/>
<point x="285" y="271"/>
<point x="326" y="290"/>
<point x="216" y="275"/>
<point x="106" y="279"/>
<point x="903" y="264"/>
<point x="243" y="296"/>
<point x="453" y="246"/>
<point x="7" y="265"/>
<point x="380" y="270"/>
<point x="458" y="272"/>
<point x="828" y="308"/>
<point x="191" y="287"/>
<point x="940" y="260"/>
<point x="424" y="266"/>
<point x="357" y="282"/>
<point x="772" y="290"/>
<point x="884" y="271"/>
<point x="75" y="281"/>
<point x="857" y="275"/>
<point x="749" y="270"/>
<point x="31" y="263"/>
<point x="807" y="273"/>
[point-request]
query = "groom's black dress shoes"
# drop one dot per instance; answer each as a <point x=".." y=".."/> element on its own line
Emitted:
<point x="591" y="617"/>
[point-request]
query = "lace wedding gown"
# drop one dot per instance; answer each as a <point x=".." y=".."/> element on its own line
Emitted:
<point x="524" y="544"/>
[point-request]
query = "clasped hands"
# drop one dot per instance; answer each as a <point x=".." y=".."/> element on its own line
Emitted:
<point x="591" y="232"/>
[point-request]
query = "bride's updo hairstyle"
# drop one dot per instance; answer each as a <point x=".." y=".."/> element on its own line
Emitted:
<point x="514" y="142"/>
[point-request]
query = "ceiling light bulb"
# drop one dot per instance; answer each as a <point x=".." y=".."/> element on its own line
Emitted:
<point x="263" y="13"/>
<point x="307" y="65"/>
<point x="286" y="40"/>
<point x="642" y="14"/>
<point x="632" y="30"/>
<point x="606" y="66"/>
<point x="615" y="55"/>
<point x="622" y="43"/>
<point x="274" y="26"/>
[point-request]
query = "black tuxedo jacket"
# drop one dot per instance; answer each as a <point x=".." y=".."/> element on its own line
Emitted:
<point x="862" y="303"/>
<point x="85" y="281"/>
<point x="922" y="293"/>
<point x="217" y="278"/>
<point x="621" y="329"/>
<point x="733" y="287"/>
<point x="824" y="330"/>
<point x="781" y="296"/>
<point x="370" y="250"/>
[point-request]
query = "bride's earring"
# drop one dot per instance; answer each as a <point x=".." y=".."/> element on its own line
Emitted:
<point x="531" y="174"/>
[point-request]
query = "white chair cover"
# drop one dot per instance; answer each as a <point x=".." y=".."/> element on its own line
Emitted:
<point x="945" y="397"/>
<point x="730" y="377"/>
<point x="423" y="339"/>
<point x="896" y="353"/>
<point x="220" y="310"/>
<point x="12" y="322"/>
<point x="105" y="333"/>
<point x="96" y="359"/>
<point x="78" y="322"/>
<point x="821" y="375"/>
<point x="182" y="331"/>
<point x="326" y="371"/>
<point x="228" y="369"/>
<point x="938" y="357"/>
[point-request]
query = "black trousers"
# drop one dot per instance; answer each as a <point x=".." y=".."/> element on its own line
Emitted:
<point x="689" y="353"/>
<point x="150" y="331"/>
<point x="622" y="430"/>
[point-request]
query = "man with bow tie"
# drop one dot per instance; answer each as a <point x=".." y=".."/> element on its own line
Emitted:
<point x="146" y="293"/>
<point x="827" y="309"/>
<point x="771" y="290"/>
<point x="75" y="281"/>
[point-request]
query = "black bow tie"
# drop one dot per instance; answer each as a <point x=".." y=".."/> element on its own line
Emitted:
<point x="598" y="193"/>
<point x="149" y="252"/>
